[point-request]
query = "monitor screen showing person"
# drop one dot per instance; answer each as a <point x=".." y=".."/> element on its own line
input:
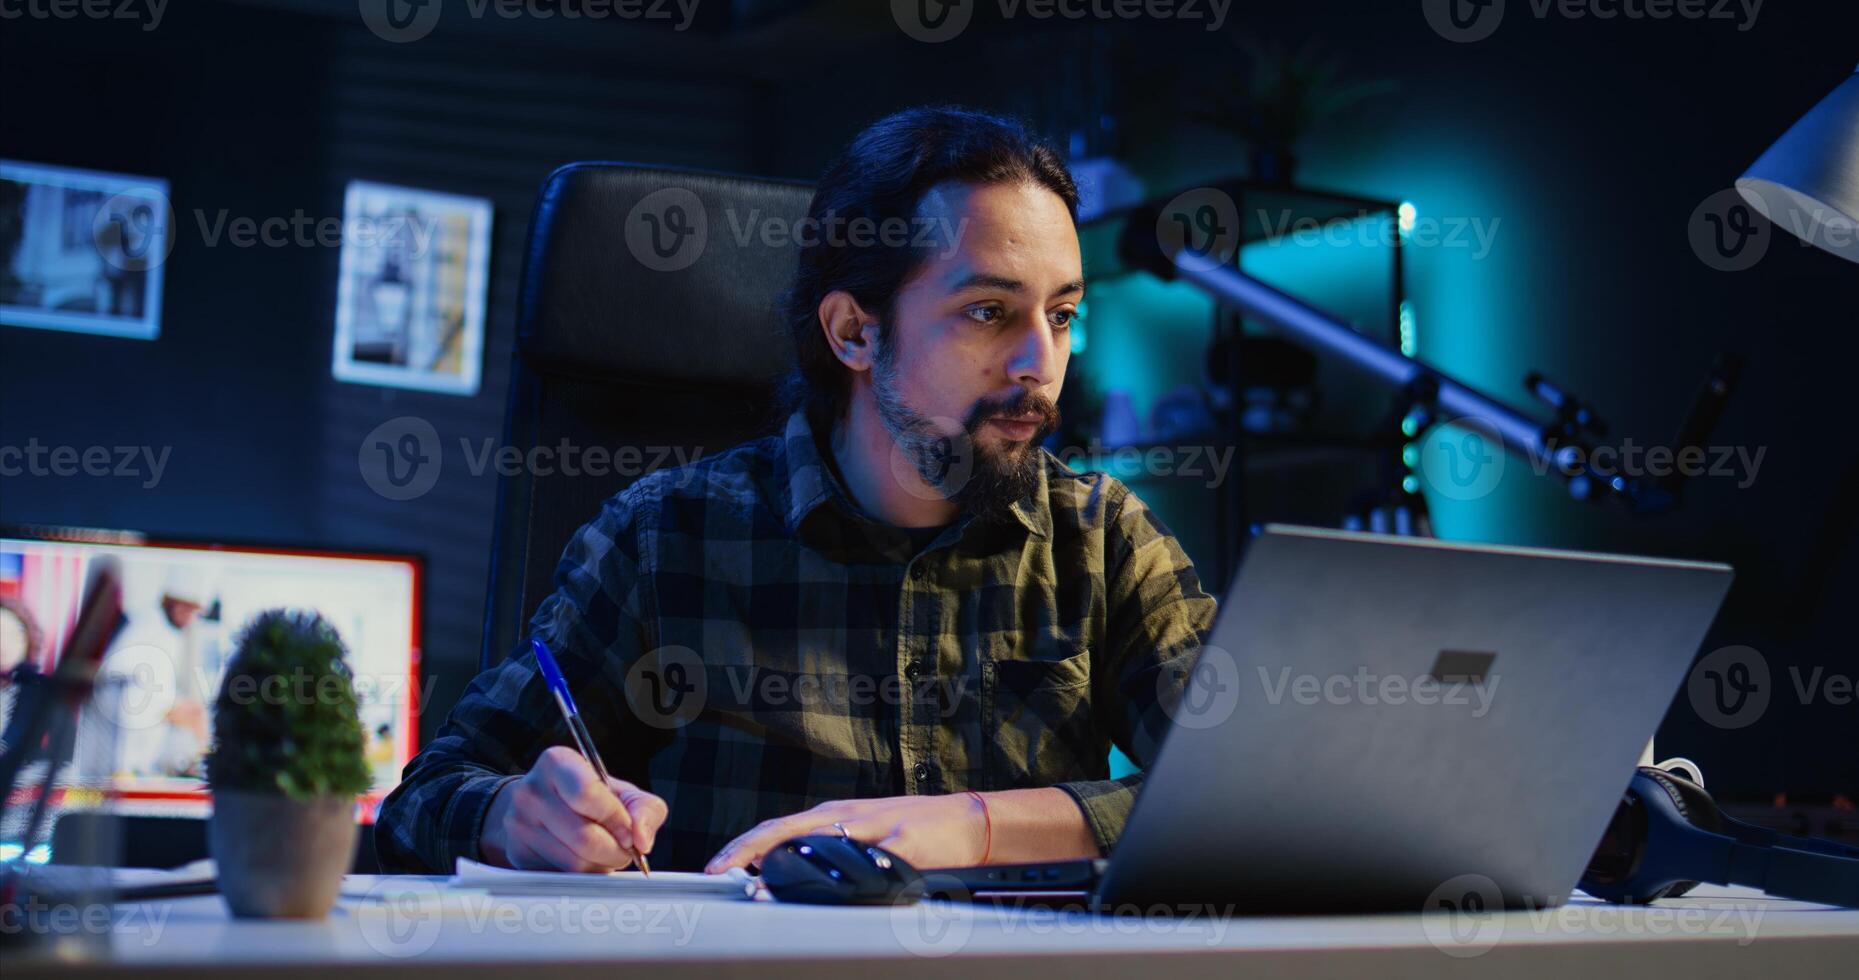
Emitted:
<point x="143" y="735"/>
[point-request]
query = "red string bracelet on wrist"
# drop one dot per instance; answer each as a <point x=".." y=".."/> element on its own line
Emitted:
<point x="987" y="821"/>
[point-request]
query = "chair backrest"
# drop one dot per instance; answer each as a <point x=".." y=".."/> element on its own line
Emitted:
<point x="647" y="329"/>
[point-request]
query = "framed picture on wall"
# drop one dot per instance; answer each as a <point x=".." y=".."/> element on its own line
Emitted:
<point x="412" y="288"/>
<point x="82" y="250"/>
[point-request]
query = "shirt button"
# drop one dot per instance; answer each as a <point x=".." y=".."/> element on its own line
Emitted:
<point x="923" y="771"/>
<point x="918" y="571"/>
<point x="911" y="671"/>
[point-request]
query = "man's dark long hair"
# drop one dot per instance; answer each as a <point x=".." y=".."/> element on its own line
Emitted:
<point x="878" y="182"/>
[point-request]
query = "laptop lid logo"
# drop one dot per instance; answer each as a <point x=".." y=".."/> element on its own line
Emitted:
<point x="1462" y="666"/>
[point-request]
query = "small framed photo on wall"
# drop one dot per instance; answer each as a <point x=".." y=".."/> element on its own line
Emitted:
<point x="412" y="289"/>
<point x="82" y="250"/>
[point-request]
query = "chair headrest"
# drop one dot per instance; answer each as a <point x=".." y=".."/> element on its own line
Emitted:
<point x="659" y="276"/>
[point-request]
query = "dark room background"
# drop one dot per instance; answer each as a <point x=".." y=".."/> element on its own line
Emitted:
<point x="1583" y="145"/>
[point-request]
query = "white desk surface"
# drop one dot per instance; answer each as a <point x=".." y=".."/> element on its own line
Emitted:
<point x="1716" y="932"/>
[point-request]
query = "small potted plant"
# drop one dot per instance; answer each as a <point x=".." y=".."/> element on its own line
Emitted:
<point x="285" y="768"/>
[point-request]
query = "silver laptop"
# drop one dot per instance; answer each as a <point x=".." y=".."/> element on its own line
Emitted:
<point x="1377" y="721"/>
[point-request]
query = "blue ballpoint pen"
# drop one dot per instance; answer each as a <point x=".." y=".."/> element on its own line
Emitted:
<point x="558" y="685"/>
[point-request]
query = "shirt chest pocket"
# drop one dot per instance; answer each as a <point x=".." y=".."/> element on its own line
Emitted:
<point x="1039" y="703"/>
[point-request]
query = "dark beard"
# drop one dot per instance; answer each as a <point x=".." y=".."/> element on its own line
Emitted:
<point x="978" y="479"/>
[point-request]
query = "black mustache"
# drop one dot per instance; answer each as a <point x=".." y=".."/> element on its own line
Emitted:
<point x="1025" y="403"/>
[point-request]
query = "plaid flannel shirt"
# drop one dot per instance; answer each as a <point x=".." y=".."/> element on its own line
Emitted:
<point x="742" y="641"/>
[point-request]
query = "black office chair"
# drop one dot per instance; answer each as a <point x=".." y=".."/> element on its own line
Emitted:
<point x="613" y="352"/>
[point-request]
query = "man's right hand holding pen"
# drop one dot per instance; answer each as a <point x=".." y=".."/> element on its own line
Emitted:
<point x="559" y="817"/>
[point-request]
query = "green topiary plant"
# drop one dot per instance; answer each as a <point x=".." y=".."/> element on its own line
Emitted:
<point x="285" y="721"/>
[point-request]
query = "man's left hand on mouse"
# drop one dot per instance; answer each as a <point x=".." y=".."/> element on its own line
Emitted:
<point x="928" y="831"/>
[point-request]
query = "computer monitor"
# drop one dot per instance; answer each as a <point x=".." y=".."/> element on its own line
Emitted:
<point x="141" y="739"/>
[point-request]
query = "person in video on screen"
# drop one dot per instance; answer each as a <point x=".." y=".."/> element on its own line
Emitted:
<point x="157" y="674"/>
<point x="900" y="618"/>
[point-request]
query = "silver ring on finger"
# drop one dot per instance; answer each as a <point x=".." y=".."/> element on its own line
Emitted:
<point x="843" y="832"/>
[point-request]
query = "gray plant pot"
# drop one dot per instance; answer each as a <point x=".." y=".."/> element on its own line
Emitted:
<point x="280" y="858"/>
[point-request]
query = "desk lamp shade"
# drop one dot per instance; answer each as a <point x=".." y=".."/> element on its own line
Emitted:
<point x="1808" y="182"/>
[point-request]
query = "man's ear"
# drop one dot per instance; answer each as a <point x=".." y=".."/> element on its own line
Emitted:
<point x="850" y="331"/>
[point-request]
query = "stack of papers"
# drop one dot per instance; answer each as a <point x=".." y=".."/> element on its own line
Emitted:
<point x="734" y="884"/>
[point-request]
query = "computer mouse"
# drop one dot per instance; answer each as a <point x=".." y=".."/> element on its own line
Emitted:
<point x="830" y="870"/>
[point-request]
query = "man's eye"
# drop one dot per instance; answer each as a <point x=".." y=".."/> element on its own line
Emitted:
<point x="985" y="314"/>
<point x="1062" y="319"/>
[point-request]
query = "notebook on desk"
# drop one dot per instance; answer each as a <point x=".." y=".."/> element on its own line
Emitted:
<point x="735" y="883"/>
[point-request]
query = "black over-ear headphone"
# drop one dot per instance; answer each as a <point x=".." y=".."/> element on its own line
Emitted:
<point x="1668" y="835"/>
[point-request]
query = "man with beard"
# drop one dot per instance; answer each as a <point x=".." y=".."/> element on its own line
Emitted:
<point x="900" y="620"/>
